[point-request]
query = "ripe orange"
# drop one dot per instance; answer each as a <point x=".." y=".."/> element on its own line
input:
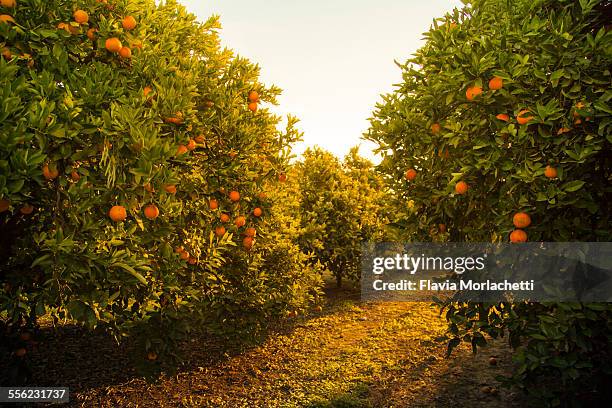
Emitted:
<point x="151" y="211"/>
<point x="182" y="149"/>
<point x="461" y="187"/>
<point x="496" y="83"/>
<point x="224" y="217"/>
<point x="435" y="128"/>
<point x="129" y="23"/>
<point x="75" y="176"/>
<point x="282" y="177"/>
<point x="81" y="17"/>
<point x="5" y="18"/>
<point x="521" y="220"/>
<point x="518" y="235"/>
<point x="253" y="96"/>
<point x="253" y="107"/>
<point x="411" y="174"/>
<point x="20" y="352"/>
<point x="472" y="92"/>
<point x="146" y="91"/>
<point x="27" y="209"/>
<point x="117" y="213"/>
<point x="179" y="250"/>
<point x="250" y="232"/>
<point x="113" y="45"/>
<point x="247" y="243"/>
<point x="503" y="116"/>
<point x="192" y="261"/>
<point x="50" y="172"/>
<point x="213" y="204"/>
<point x="240" y="221"/>
<point x="4" y="205"/>
<point x="125" y="52"/>
<point x="550" y="172"/>
<point x="6" y="53"/>
<point x="257" y="212"/>
<point x="170" y="188"/>
<point x="191" y="145"/>
<point x="184" y="255"/>
<point x="234" y="196"/>
<point x="522" y="120"/>
<point x="200" y="139"/>
<point x="220" y="231"/>
<point x="8" y="3"/>
<point x="91" y="34"/>
<point x="151" y="356"/>
<point x="442" y="228"/>
<point x="262" y="195"/>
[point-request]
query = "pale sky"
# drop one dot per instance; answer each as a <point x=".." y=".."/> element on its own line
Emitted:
<point x="332" y="58"/>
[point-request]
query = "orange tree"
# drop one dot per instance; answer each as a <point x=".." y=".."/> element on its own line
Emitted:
<point x="133" y="154"/>
<point x="341" y="207"/>
<point x="501" y="131"/>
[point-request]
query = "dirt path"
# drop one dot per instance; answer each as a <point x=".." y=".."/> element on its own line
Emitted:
<point x="351" y="355"/>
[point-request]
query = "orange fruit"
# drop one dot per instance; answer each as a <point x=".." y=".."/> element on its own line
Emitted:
<point x="20" y="352"/>
<point x="184" y="255"/>
<point x="151" y="356"/>
<point x="4" y="205"/>
<point x="129" y="23"/>
<point x="234" y="196"/>
<point x="182" y="149"/>
<point x="5" y="18"/>
<point x="125" y="52"/>
<point x="50" y="172"/>
<point x="179" y="250"/>
<point x="8" y="3"/>
<point x="146" y="91"/>
<point x="435" y="128"/>
<point x="220" y="231"/>
<point x="113" y="45"/>
<point x="247" y="243"/>
<point x="522" y="120"/>
<point x="81" y="17"/>
<point x="27" y="209"/>
<point x="75" y="176"/>
<point x="518" y="235"/>
<point x="213" y="204"/>
<point x="224" y="217"/>
<point x="191" y="145"/>
<point x="262" y="195"/>
<point x="521" y="220"/>
<point x="240" y="221"/>
<point x="192" y="261"/>
<point x="91" y="34"/>
<point x="282" y="177"/>
<point x="550" y="172"/>
<point x="253" y="107"/>
<point x="257" y="212"/>
<point x="442" y="228"/>
<point x="151" y="211"/>
<point x="411" y="174"/>
<point x="117" y="213"/>
<point x="504" y="117"/>
<point x="461" y="187"/>
<point x="253" y="96"/>
<point x="250" y="232"/>
<point x="496" y="83"/>
<point x="200" y="139"/>
<point x="472" y="92"/>
<point x="64" y="26"/>
<point x="170" y="188"/>
<point x="6" y="53"/>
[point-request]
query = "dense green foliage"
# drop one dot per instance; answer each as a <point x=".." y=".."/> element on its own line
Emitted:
<point x="553" y="59"/>
<point x="168" y="126"/>
<point x="341" y="206"/>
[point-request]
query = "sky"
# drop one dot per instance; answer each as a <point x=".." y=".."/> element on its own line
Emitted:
<point x="332" y="58"/>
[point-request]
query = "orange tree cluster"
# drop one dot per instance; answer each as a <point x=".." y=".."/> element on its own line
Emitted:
<point x="501" y="131"/>
<point x="133" y="162"/>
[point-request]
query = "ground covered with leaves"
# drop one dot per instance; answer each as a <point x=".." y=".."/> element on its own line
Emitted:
<point x="351" y="354"/>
